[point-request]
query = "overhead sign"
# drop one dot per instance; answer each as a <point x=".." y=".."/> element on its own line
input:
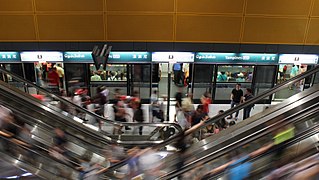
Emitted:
<point x="173" y="57"/>
<point x="298" y="59"/>
<point x="78" y="57"/>
<point x="129" y="57"/>
<point x="236" y="58"/>
<point x="114" y="57"/>
<point x="48" y="56"/>
<point x="9" y="57"/>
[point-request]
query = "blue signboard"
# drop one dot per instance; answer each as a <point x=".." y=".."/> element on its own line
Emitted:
<point x="236" y="58"/>
<point x="9" y="57"/>
<point x="114" y="57"/>
<point x="77" y="57"/>
<point x="129" y="57"/>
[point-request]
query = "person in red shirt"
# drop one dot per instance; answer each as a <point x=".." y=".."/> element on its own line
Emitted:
<point x="206" y="100"/>
<point x="53" y="80"/>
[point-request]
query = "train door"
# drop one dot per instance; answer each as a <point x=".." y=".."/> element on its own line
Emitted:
<point x="140" y="81"/>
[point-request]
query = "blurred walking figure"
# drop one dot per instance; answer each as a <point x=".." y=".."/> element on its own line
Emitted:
<point x="157" y="107"/>
<point x="138" y="115"/>
<point x="247" y="97"/>
<point x="206" y="100"/>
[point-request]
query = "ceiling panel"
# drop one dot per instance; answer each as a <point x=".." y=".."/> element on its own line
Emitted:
<point x="140" y="27"/>
<point x="15" y="5"/>
<point x="279" y="7"/>
<point x="208" y="28"/>
<point x="274" y="30"/>
<point x="17" y="27"/>
<point x="315" y="10"/>
<point x="69" y="5"/>
<point x="141" y="5"/>
<point x="71" y="27"/>
<point x="210" y="6"/>
<point x="313" y="33"/>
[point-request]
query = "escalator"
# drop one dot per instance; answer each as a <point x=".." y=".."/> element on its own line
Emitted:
<point x="216" y="145"/>
<point x="302" y="145"/>
<point x="298" y="104"/>
<point x="13" y="94"/>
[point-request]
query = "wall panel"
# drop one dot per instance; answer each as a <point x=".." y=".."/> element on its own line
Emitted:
<point x="17" y="27"/>
<point x="140" y="5"/>
<point x="210" y="6"/>
<point x="279" y="7"/>
<point x="208" y="28"/>
<point x="315" y="11"/>
<point x="69" y="5"/>
<point x="71" y="27"/>
<point x="274" y="30"/>
<point x="140" y="27"/>
<point x="15" y="5"/>
<point x="313" y="32"/>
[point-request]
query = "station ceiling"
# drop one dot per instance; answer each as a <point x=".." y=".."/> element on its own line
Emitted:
<point x="224" y="21"/>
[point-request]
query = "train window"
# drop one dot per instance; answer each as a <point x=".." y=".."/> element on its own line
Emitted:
<point x="287" y="71"/>
<point x="227" y="78"/>
<point x="235" y="73"/>
<point x="112" y="72"/>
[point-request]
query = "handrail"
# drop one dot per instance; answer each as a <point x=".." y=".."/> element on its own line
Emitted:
<point x="218" y="117"/>
<point x="29" y="83"/>
<point x="37" y="153"/>
<point x="301" y="136"/>
<point x="250" y="138"/>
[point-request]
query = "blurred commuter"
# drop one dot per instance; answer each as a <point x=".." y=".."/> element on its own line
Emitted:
<point x="157" y="107"/>
<point x="38" y="72"/>
<point x="188" y="104"/>
<point x="198" y="115"/>
<point x="178" y="73"/>
<point x="294" y="72"/>
<point x="99" y="100"/>
<point x="88" y="170"/>
<point x="96" y="76"/>
<point x="239" y="167"/>
<point x="120" y="116"/>
<point x="54" y="80"/>
<point x="222" y="124"/>
<point x="60" y="142"/>
<point x="236" y="98"/>
<point x="181" y="118"/>
<point x="247" y="97"/>
<point x="178" y="97"/>
<point x="60" y="72"/>
<point x="138" y="115"/>
<point x="222" y="77"/>
<point x="206" y="100"/>
<point x="209" y="130"/>
<point x="281" y="135"/>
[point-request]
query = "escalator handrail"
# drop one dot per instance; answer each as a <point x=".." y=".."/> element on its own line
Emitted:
<point x="254" y="137"/>
<point x="301" y="136"/>
<point x="37" y="153"/>
<point x="228" y="112"/>
<point x="29" y="83"/>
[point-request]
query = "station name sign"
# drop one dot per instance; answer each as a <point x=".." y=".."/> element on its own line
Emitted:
<point x="114" y="57"/>
<point x="9" y="57"/>
<point x="236" y="58"/>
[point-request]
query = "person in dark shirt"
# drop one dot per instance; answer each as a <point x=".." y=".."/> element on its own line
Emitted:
<point x="223" y="124"/>
<point x="198" y="115"/>
<point x="236" y="98"/>
<point x="138" y="114"/>
<point x="179" y="97"/>
<point x="247" y="97"/>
